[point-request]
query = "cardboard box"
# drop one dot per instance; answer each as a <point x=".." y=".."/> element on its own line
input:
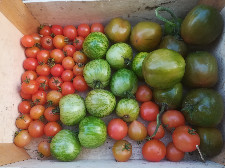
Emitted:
<point x="18" y="18"/>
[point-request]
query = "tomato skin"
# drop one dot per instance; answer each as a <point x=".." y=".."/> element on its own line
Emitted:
<point x="137" y="131"/>
<point x="70" y="32"/>
<point x="57" y="55"/>
<point x="31" y="75"/>
<point x="117" y="129"/>
<point x="22" y="139"/>
<point x="151" y="129"/>
<point x="30" y="64"/>
<point x="59" y="41"/>
<point x="83" y="30"/>
<point x="50" y="115"/>
<point x="23" y="121"/>
<point x="68" y="63"/>
<point x="37" y="111"/>
<point x="67" y="88"/>
<point x="185" y="141"/>
<point x="24" y="107"/>
<point x="52" y="128"/>
<point x="120" y="153"/>
<point x="57" y="70"/>
<point x="57" y="30"/>
<point x="43" y="70"/>
<point x="80" y="84"/>
<point x="78" y="42"/>
<point x="43" y="56"/>
<point x="27" y="41"/>
<point x="154" y="150"/>
<point x="43" y="82"/>
<point x="80" y="57"/>
<point x="47" y="42"/>
<point x="36" y="37"/>
<point x="30" y="88"/>
<point x="143" y="93"/>
<point x="39" y="97"/>
<point x="97" y="27"/>
<point x="149" y="111"/>
<point x="67" y="76"/>
<point x="69" y="50"/>
<point x="25" y="96"/>
<point x="32" y="52"/>
<point x="173" y="154"/>
<point x="45" y="30"/>
<point x="55" y="83"/>
<point x="78" y="70"/>
<point x="36" y="129"/>
<point x="44" y="148"/>
<point x="54" y="97"/>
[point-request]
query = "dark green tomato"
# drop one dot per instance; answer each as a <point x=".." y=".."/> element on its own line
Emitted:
<point x="203" y="107"/>
<point x="201" y="70"/>
<point x="172" y="30"/>
<point x="172" y="97"/>
<point x="202" y="25"/>
<point x="211" y="141"/>
<point x="170" y="42"/>
<point x="136" y="65"/>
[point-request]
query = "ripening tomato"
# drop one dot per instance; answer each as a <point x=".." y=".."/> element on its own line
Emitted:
<point x="55" y="83"/>
<point x="27" y="41"/>
<point x="78" y="42"/>
<point x="24" y="107"/>
<point x="37" y="111"/>
<point x="39" y="97"/>
<point x="80" y="57"/>
<point x="137" y="131"/>
<point x="37" y="38"/>
<point x="51" y="114"/>
<point x="70" y="32"/>
<point x="45" y="30"/>
<point x="23" y="121"/>
<point x="30" y="64"/>
<point x="68" y="63"/>
<point x="97" y="27"/>
<point x="122" y="150"/>
<point x="143" y="93"/>
<point x="149" y="111"/>
<point x="32" y="52"/>
<point x="69" y="50"/>
<point x="29" y="86"/>
<point x="22" y="139"/>
<point x="43" y="56"/>
<point x="173" y="154"/>
<point x="117" y="129"/>
<point x="47" y="42"/>
<point x="53" y="97"/>
<point x="30" y="75"/>
<point x="36" y="128"/>
<point x="25" y="96"/>
<point x="57" y="55"/>
<point x="44" y="148"/>
<point x="151" y="129"/>
<point x="83" y="30"/>
<point x="67" y="76"/>
<point x="60" y="41"/>
<point x="57" y="30"/>
<point x="52" y="128"/>
<point x="67" y="88"/>
<point x="80" y="84"/>
<point x="78" y="69"/>
<point x="43" y="82"/>
<point x="57" y="70"/>
<point x="43" y="70"/>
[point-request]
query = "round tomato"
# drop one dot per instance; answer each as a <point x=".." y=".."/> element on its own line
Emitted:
<point x="43" y="82"/>
<point x="37" y="38"/>
<point x="67" y="76"/>
<point x="36" y="129"/>
<point x="22" y="139"/>
<point x="67" y="88"/>
<point x="57" y="70"/>
<point x="27" y="41"/>
<point x="30" y="75"/>
<point x="52" y="128"/>
<point x="24" y="107"/>
<point x="44" y="148"/>
<point x="57" y="55"/>
<point x="57" y="30"/>
<point x="83" y="30"/>
<point x="30" y="86"/>
<point x="37" y="111"/>
<point x="97" y="27"/>
<point x="45" y="30"/>
<point x="60" y="41"/>
<point x="55" y="83"/>
<point x="137" y="131"/>
<point x="32" y="52"/>
<point x="53" y="97"/>
<point x="149" y="111"/>
<point x="143" y="93"/>
<point x="80" y="84"/>
<point x="69" y="50"/>
<point x="23" y="121"/>
<point x="173" y="154"/>
<point x="47" y="42"/>
<point x="122" y="150"/>
<point x="151" y="129"/>
<point x="24" y="95"/>
<point x="39" y="97"/>
<point x="78" y="42"/>
<point x="117" y="129"/>
<point x="68" y="63"/>
<point x="70" y="32"/>
<point x="78" y="69"/>
<point x="51" y="114"/>
<point x="43" y="70"/>
<point x="30" y="64"/>
<point x="43" y="56"/>
<point x="80" y="57"/>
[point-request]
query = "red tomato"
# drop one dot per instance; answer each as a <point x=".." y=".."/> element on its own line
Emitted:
<point x="23" y="121"/>
<point x="24" y="107"/>
<point x="69" y="50"/>
<point x="57" y="30"/>
<point x="43" y="82"/>
<point x="80" y="57"/>
<point x="149" y="111"/>
<point x="37" y="38"/>
<point x="60" y="41"/>
<point x="55" y="83"/>
<point x="117" y="129"/>
<point x="151" y="129"/>
<point x="29" y="87"/>
<point x="83" y="30"/>
<point x="78" y="42"/>
<point x="30" y="64"/>
<point x="47" y="42"/>
<point x="67" y="76"/>
<point x="37" y="111"/>
<point x="154" y="150"/>
<point x="78" y="69"/>
<point x="44" y="148"/>
<point x="51" y="115"/>
<point x="80" y="84"/>
<point x="57" y="70"/>
<point x="22" y="139"/>
<point x="143" y="93"/>
<point x="39" y="97"/>
<point x="43" y="70"/>
<point x="36" y="129"/>
<point x="173" y="154"/>
<point x="70" y="32"/>
<point x="137" y="131"/>
<point x="24" y="95"/>
<point x="32" y="52"/>
<point x="57" y="55"/>
<point x="30" y="75"/>
<point x="67" y="88"/>
<point x="122" y="150"/>
<point x="27" y="41"/>
<point x="68" y="63"/>
<point x="43" y="56"/>
<point x="52" y="128"/>
<point x="45" y="30"/>
<point x="185" y="138"/>
<point x="53" y="97"/>
<point x="97" y="27"/>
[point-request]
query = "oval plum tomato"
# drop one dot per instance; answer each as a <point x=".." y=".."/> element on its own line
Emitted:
<point x="69" y="50"/>
<point x="154" y="150"/>
<point x="32" y="52"/>
<point x="36" y="128"/>
<point x="83" y="30"/>
<point x="37" y="38"/>
<point x="151" y="129"/>
<point x="37" y="111"/>
<point x="52" y="128"/>
<point x="67" y="76"/>
<point x="57" y="30"/>
<point x="60" y="41"/>
<point x="44" y="148"/>
<point x="78" y="69"/>
<point x="97" y="27"/>
<point x="24" y="107"/>
<point x="45" y="30"/>
<point x="47" y="42"/>
<point x="70" y="32"/>
<point x="185" y="138"/>
<point x="43" y="56"/>
<point x="39" y="97"/>
<point x="149" y="111"/>
<point x="22" y="139"/>
<point x="57" y="70"/>
<point x="137" y="131"/>
<point x="117" y="129"/>
<point x="57" y="55"/>
<point x="172" y="119"/>
<point x="173" y="154"/>
<point x="25" y="96"/>
<point x="53" y="97"/>
<point x="51" y="114"/>
<point x="67" y="88"/>
<point x="30" y="75"/>
<point x="80" y="57"/>
<point x="43" y="82"/>
<point x="143" y="93"/>
<point x="30" y="64"/>
<point x="23" y="121"/>
<point x="80" y="84"/>
<point x="29" y="86"/>
<point x="122" y="150"/>
<point x="78" y="43"/>
<point x="55" y="83"/>
<point x="68" y="63"/>
<point x="27" y="41"/>
<point x="43" y="70"/>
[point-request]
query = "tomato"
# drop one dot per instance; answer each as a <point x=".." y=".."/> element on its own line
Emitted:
<point x="143" y="93"/>
<point x="60" y="41"/>
<point x="185" y="138"/>
<point x="43" y="70"/>
<point x="80" y="84"/>
<point x="27" y="41"/>
<point x="78" y="42"/>
<point x="24" y="95"/>
<point x="97" y="27"/>
<point x="151" y="129"/>
<point x="57" y="70"/>
<point x="51" y="114"/>
<point x="154" y="150"/>
<point x="37" y="38"/>
<point x="80" y="57"/>
<point x="32" y="52"/>
<point x="45" y="30"/>
<point x="43" y="56"/>
<point x="78" y="69"/>
<point x="22" y="139"/>
<point x="24" y="107"/>
<point x="52" y="128"/>
<point x="57" y="30"/>
<point x="67" y="88"/>
<point x="39" y="97"/>
<point x="149" y="111"/>
<point x="68" y="63"/>
<point x="83" y="30"/>
<point x="37" y="111"/>
<point x="36" y="128"/>
<point x="31" y="75"/>
<point x="53" y="97"/>
<point x="23" y="121"/>
<point x="117" y="129"/>
<point x="47" y="42"/>
<point x="172" y="119"/>
<point x="70" y="32"/>
<point x="122" y="150"/>
<point x="29" y="86"/>
<point x="69" y="50"/>
<point x="67" y="76"/>
<point x="55" y="83"/>
<point x="44" y="148"/>
<point x="30" y="64"/>
<point x="173" y="154"/>
<point x="137" y="131"/>
<point x="57" y="55"/>
<point x="43" y="82"/>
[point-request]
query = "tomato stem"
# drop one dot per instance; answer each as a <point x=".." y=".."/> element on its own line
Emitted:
<point x="98" y="84"/>
<point x="200" y="153"/>
<point x="127" y="146"/>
